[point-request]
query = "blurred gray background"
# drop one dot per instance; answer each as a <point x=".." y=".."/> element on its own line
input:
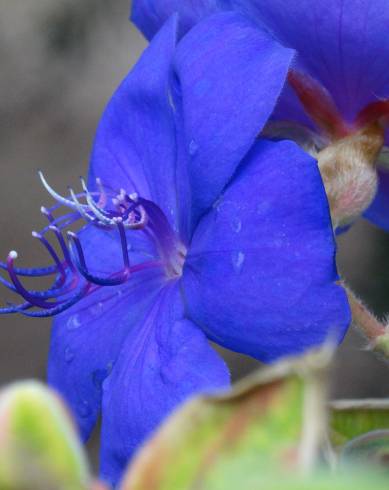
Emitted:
<point x="60" y="62"/>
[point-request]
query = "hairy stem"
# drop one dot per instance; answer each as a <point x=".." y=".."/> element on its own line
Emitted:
<point x="373" y="329"/>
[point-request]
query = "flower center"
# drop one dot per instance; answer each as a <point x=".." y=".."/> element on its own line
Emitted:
<point x="138" y="213"/>
<point x="120" y="213"/>
<point x="346" y="153"/>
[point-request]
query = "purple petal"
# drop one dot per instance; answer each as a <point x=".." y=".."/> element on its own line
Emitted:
<point x="135" y="146"/>
<point x="149" y="15"/>
<point x="342" y="43"/>
<point x="231" y="74"/>
<point x="378" y="212"/>
<point x="165" y="359"/>
<point x="87" y="338"/>
<point x="260" y="276"/>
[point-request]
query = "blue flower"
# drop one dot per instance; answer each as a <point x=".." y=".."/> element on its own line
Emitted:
<point x="336" y="102"/>
<point x="195" y="230"/>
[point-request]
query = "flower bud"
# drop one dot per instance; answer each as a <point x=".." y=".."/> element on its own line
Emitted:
<point x="381" y="344"/>
<point x="39" y="448"/>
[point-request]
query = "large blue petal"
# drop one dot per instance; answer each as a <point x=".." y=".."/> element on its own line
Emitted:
<point x="135" y="145"/>
<point x="163" y="361"/>
<point x="342" y="43"/>
<point x="260" y="275"/>
<point x="87" y="338"/>
<point x="378" y="211"/>
<point x="231" y="74"/>
<point x="149" y="15"/>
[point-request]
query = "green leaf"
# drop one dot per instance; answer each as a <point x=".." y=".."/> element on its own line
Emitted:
<point x="39" y="448"/>
<point x="255" y="430"/>
<point x="247" y="479"/>
<point x="352" y="418"/>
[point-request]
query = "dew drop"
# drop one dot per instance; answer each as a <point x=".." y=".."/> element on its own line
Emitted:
<point x="98" y="378"/>
<point x="74" y="322"/>
<point x="238" y="259"/>
<point x="69" y="355"/>
<point x="100" y="375"/>
<point x="236" y="225"/>
<point x="193" y="148"/>
<point x="84" y="409"/>
<point x="97" y="308"/>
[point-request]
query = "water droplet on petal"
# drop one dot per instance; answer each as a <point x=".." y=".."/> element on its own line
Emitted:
<point x="238" y="259"/>
<point x="73" y="322"/>
<point x="193" y="148"/>
<point x="98" y="378"/>
<point x="84" y="409"/>
<point x="109" y="367"/>
<point x="100" y="375"/>
<point x="97" y="308"/>
<point x="236" y="225"/>
<point x="69" y="355"/>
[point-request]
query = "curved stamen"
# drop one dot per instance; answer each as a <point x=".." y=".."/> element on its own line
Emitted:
<point x="14" y="308"/>
<point x="7" y="284"/>
<point x="55" y="195"/>
<point x="103" y="195"/>
<point x="35" y="301"/>
<point x="123" y="241"/>
<point x="100" y="214"/>
<point x="49" y="293"/>
<point x="61" y="222"/>
<point x="52" y="252"/>
<point x="32" y="272"/>
<point x="63" y="246"/>
<point x="70" y="265"/>
<point x="60" y="308"/>
<point x="48" y="214"/>
<point x="79" y="206"/>
<point x="115" y="280"/>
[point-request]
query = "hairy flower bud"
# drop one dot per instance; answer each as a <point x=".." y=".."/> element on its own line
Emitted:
<point x="347" y="167"/>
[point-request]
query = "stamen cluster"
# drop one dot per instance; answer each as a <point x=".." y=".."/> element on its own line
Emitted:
<point x="73" y="278"/>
